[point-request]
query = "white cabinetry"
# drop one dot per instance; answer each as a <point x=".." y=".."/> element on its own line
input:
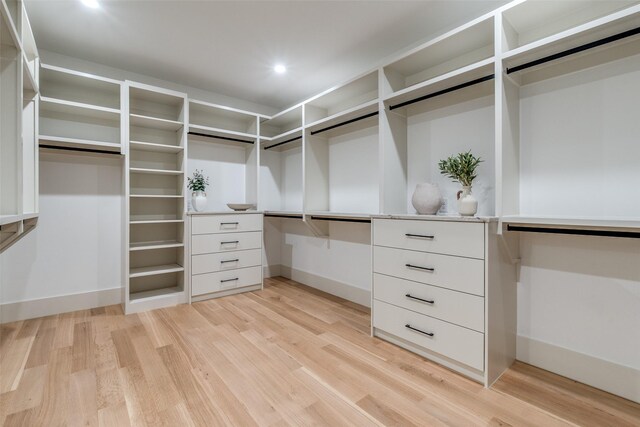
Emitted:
<point x="442" y="289"/>
<point x="226" y="253"/>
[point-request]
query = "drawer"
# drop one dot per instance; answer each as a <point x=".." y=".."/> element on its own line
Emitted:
<point x="202" y="224"/>
<point x="455" y="342"/>
<point x="445" y="271"/>
<point x="210" y="263"/>
<point x="213" y="243"/>
<point x="225" y="280"/>
<point x="451" y="306"/>
<point x="442" y="237"/>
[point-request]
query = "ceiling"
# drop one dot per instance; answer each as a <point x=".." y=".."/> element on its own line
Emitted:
<point x="230" y="47"/>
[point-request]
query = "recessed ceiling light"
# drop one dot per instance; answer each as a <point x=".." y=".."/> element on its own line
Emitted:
<point x="280" y="69"/>
<point x="93" y="4"/>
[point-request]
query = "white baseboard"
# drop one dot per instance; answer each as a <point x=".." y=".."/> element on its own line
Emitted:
<point x="330" y="286"/>
<point x="14" y="311"/>
<point x="271" y="270"/>
<point x="608" y="376"/>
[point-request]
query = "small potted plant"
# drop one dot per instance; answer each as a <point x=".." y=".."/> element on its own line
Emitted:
<point x="462" y="168"/>
<point x="198" y="185"/>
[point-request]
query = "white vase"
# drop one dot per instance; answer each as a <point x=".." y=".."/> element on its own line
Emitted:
<point x="427" y="198"/>
<point x="199" y="201"/>
<point x="467" y="204"/>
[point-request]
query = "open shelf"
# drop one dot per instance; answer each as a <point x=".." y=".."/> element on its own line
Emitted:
<point x="155" y="270"/>
<point x="156" y="107"/>
<point x="469" y="44"/>
<point x="604" y="40"/>
<point x="29" y="84"/>
<point x="355" y="118"/>
<point x="76" y="143"/>
<point x="150" y="146"/>
<point x="156" y="171"/>
<point x="146" y="246"/>
<point x="71" y="108"/>
<point x="282" y="123"/>
<point x="156" y="221"/>
<point x="205" y="133"/>
<point x="342" y="99"/>
<point x="284" y="141"/>
<point x="137" y="297"/>
<point x="156" y="196"/>
<point x="281" y="173"/>
<point x="154" y="122"/>
<point x="217" y="118"/>
<point x="83" y="88"/>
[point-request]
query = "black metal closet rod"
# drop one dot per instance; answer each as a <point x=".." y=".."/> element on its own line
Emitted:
<point x="283" y="216"/>
<point x="323" y="218"/>
<point x="443" y="91"/>
<point x="226" y="138"/>
<point x="283" y="142"/>
<point x="366" y="116"/>
<point x="575" y="50"/>
<point x="603" y="233"/>
<point x="84" y="150"/>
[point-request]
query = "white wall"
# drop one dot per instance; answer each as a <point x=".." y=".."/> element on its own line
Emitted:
<point x="76" y="246"/>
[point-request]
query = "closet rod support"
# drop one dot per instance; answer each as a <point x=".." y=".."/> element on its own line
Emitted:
<point x="347" y="122"/>
<point x="443" y="91"/>
<point x="574" y="50"/>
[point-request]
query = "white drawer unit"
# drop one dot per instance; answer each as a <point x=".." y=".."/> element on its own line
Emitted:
<point x="225" y="254"/>
<point x="451" y="306"/>
<point x="441" y="237"/>
<point x="202" y="284"/>
<point x="210" y="263"/>
<point x="446" y="271"/>
<point x="446" y="290"/>
<point x="225" y="242"/>
<point x="234" y="223"/>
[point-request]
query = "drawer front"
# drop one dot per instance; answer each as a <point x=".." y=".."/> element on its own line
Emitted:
<point x="451" y="306"/>
<point x="442" y="237"/>
<point x="224" y="280"/>
<point x="213" y="243"/>
<point x="445" y="271"/>
<point x="210" y="263"/>
<point x="458" y="343"/>
<point x="226" y="223"/>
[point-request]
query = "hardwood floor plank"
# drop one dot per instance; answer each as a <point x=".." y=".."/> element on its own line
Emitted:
<point x="287" y="355"/>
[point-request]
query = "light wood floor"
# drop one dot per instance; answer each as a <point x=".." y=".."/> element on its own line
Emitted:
<point x="288" y="355"/>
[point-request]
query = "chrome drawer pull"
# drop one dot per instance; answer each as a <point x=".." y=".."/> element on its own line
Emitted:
<point x="420" y="236"/>
<point x="420" y="268"/>
<point x="229" y="260"/>
<point x="429" y="334"/>
<point x="231" y="242"/>
<point x="229" y="280"/>
<point x="420" y="299"/>
<point x="229" y="223"/>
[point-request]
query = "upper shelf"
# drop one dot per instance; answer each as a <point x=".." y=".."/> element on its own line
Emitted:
<point x="221" y="134"/>
<point x="147" y="103"/>
<point x="284" y="141"/>
<point x="599" y="41"/>
<point x="77" y="109"/>
<point x="459" y="48"/>
<point x="204" y="115"/>
<point x="282" y="123"/>
<point x="154" y="122"/>
<point x="345" y="121"/>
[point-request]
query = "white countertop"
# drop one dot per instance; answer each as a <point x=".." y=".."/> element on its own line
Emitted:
<point x="229" y="212"/>
<point x="452" y="218"/>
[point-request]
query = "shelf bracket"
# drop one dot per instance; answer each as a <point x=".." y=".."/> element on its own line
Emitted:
<point x="318" y="228"/>
<point x="509" y="243"/>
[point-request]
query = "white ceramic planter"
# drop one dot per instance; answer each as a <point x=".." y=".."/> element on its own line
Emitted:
<point x="467" y="204"/>
<point x="199" y="201"/>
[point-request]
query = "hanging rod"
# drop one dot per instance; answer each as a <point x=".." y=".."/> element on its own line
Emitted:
<point x="283" y="216"/>
<point x="443" y="91"/>
<point x="83" y="150"/>
<point x="366" y="116"/>
<point x="574" y="231"/>
<point x="283" y="142"/>
<point x="324" y="218"/>
<point x="226" y="138"/>
<point x="575" y="50"/>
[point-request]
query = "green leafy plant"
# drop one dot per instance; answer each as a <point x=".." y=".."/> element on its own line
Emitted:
<point x="198" y="182"/>
<point x="461" y="168"/>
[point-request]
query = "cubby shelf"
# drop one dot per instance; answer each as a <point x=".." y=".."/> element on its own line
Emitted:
<point x="156" y="171"/>
<point x="155" y="270"/>
<point x="156" y="196"/>
<point x="76" y="143"/>
<point x="158" y="148"/>
<point x="156" y="221"/>
<point x="72" y="108"/>
<point x="146" y="246"/>
<point x="154" y="122"/>
<point x="138" y="297"/>
<point x="223" y="134"/>
<point x="344" y="117"/>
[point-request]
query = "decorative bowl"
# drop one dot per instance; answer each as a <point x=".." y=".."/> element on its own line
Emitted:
<point x="240" y="206"/>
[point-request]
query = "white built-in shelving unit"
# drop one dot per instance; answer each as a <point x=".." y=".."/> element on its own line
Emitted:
<point x="281" y="162"/>
<point x="154" y="261"/>
<point x="223" y="143"/>
<point x="79" y="111"/>
<point x="18" y="124"/>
